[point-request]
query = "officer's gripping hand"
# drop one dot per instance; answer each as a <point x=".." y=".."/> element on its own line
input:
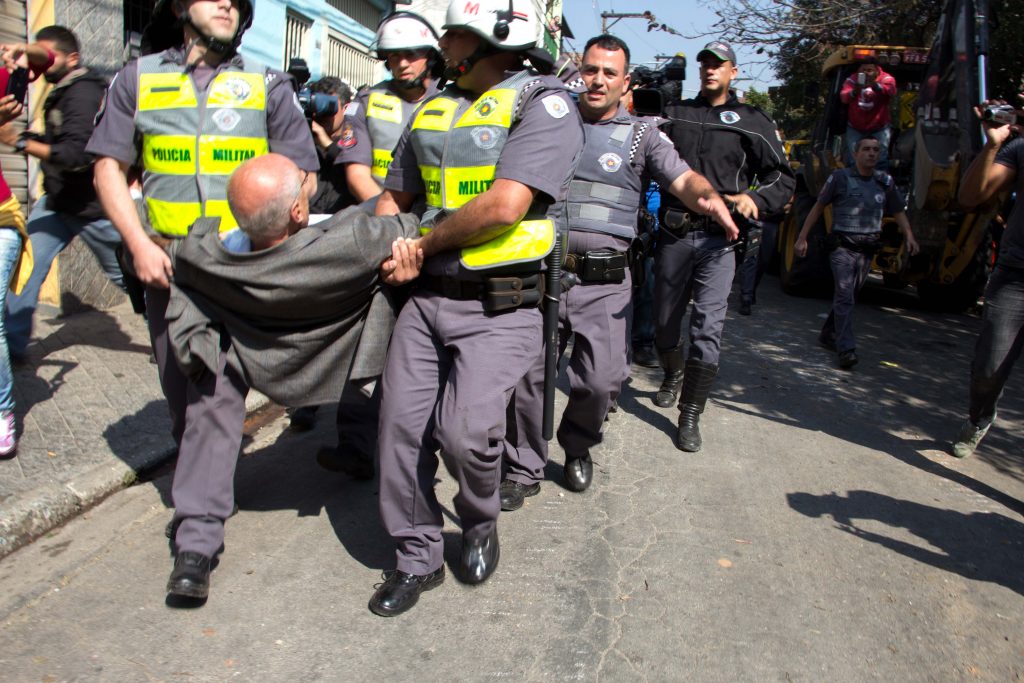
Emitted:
<point x="405" y="262"/>
<point x="10" y="109"/>
<point x="715" y="208"/>
<point x="152" y="265"/>
<point x="743" y="204"/>
<point x="800" y="247"/>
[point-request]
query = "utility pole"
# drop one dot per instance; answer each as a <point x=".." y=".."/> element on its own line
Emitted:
<point x="605" y="16"/>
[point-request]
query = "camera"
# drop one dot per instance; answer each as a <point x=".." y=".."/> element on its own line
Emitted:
<point x="317" y="104"/>
<point x="658" y="86"/>
<point x="1000" y="113"/>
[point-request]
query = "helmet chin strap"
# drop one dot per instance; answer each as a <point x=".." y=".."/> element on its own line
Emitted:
<point x="453" y="73"/>
<point x="211" y="43"/>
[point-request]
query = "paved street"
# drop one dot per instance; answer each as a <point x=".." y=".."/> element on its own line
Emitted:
<point x="822" y="534"/>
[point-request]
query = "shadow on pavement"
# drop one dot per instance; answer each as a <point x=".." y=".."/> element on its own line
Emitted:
<point x="981" y="546"/>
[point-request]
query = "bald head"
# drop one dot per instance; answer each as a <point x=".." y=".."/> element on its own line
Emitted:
<point x="267" y="199"/>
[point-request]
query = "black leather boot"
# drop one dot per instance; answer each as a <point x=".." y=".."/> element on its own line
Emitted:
<point x="696" y="387"/>
<point x="672" y="362"/>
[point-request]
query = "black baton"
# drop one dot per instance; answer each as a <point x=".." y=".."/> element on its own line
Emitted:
<point x="552" y="293"/>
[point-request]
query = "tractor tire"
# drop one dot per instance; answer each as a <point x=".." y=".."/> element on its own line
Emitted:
<point x="963" y="292"/>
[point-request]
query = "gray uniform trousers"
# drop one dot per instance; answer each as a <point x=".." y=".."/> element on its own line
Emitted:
<point x="850" y="272"/>
<point x="450" y="373"/>
<point x="698" y="265"/>
<point x="1000" y="342"/>
<point x="206" y="421"/>
<point x="599" y="315"/>
<point x="751" y="270"/>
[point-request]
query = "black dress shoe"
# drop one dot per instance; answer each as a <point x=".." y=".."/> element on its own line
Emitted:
<point x="400" y="591"/>
<point x="578" y="473"/>
<point x="745" y="306"/>
<point x="341" y="459"/>
<point x="302" y="419"/>
<point x="479" y="558"/>
<point x="190" y="577"/>
<point x="513" y="493"/>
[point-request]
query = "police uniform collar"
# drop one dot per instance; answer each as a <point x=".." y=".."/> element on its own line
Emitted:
<point x="621" y="116"/>
<point x="176" y="55"/>
<point x="732" y="100"/>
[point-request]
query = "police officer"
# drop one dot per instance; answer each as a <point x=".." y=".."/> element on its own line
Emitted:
<point x="735" y="146"/>
<point x="493" y="154"/>
<point x="860" y="195"/>
<point x="189" y="114"/>
<point x="376" y="118"/>
<point x="604" y="202"/>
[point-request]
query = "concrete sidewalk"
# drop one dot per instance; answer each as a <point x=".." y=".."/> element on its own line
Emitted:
<point x="91" y="416"/>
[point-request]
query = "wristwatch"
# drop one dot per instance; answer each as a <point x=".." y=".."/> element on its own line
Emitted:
<point x="19" y="144"/>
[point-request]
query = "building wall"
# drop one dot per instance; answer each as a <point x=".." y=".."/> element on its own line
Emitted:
<point x="99" y="25"/>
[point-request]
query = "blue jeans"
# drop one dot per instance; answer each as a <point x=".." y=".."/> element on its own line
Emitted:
<point x="1000" y="342"/>
<point x="50" y="232"/>
<point x="10" y="247"/>
<point x="853" y="136"/>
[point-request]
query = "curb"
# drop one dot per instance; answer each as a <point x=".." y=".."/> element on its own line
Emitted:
<point x="30" y="515"/>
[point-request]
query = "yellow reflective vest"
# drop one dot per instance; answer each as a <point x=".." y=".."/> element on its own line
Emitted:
<point x="386" y="117"/>
<point x="192" y="141"/>
<point x="457" y="156"/>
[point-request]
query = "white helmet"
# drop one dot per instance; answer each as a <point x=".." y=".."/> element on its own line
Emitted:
<point x="505" y="24"/>
<point x="404" y="31"/>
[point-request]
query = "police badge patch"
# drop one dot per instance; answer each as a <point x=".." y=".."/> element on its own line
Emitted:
<point x="226" y="119"/>
<point x="610" y="162"/>
<point x="556" y="106"/>
<point x="729" y="117"/>
<point x="348" y="136"/>
<point x="486" y="106"/>
<point x="485" y="138"/>
<point x="239" y="88"/>
<point x="879" y="198"/>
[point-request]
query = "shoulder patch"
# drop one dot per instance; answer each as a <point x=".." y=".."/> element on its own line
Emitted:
<point x="555" y="106"/>
<point x="348" y="136"/>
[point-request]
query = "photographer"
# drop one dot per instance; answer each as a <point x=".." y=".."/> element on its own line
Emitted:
<point x="325" y="110"/>
<point x="995" y="170"/>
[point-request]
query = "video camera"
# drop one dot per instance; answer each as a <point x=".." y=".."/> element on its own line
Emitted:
<point x="314" y="104"/>
<point x="658" y="87"/>
<point x="1000" y="113"/>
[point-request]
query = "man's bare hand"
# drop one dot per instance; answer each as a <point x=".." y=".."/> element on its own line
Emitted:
<point x="912" y="246"/>
<point x="323" y="140"/>
<point x="800" y="247"/>
<point x="744" y="205"/>
<point x="10" y="109"/>
<point x="152" y="265"/>
<point x="996" y="133"/>
<point x="715" y="208"/>
<point x="405" y="262"/>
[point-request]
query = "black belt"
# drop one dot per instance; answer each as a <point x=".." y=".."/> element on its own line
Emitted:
<point x="682" y="222"/>
<point x="452" y="288"/>
<point x="598" y="265"/>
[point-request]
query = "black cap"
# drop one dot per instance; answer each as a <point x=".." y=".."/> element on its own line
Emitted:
<point x="719" y="49"/>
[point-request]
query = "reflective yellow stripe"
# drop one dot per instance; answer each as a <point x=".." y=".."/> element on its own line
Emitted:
<point x="381" y="162"/>
<point x="385" y="107"/>
<point x="172" y="218"/>
<point x="175" y="218"/>
<point x="221" y="155"/>
<point x="218" y="154"/>
<point x="219" y="207"/>
<point x="436" y="115"/>
<point x="462" y="184"/>
<point x="432" y="182"/>
<point x="526" y="242"/>
<point x="493" y="108"/>
<point x="234" y="90"/>
<point x="169" y="154"/>
<point x="165" y="91"/>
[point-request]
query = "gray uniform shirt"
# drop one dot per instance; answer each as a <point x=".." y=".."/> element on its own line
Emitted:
<point x="1011" y="249"/>
<point x="541" y="153"/>
<point x="859" y="202"/>
<point x="287" y="130"/>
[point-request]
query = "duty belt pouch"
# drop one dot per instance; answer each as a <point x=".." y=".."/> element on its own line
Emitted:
<point x="678" y="222"/>
<point x="507" y="293"/>
<point x="604" y="266"/>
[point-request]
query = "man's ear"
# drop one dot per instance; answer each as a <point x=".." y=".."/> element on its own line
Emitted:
<point x="74" y="59"/>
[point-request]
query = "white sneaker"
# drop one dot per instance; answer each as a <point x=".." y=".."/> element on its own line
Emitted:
<point x="969" y="438"/>
<point x="8" y="437"/>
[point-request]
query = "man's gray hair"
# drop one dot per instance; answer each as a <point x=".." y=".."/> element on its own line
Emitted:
<point x="270" y="222"/>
